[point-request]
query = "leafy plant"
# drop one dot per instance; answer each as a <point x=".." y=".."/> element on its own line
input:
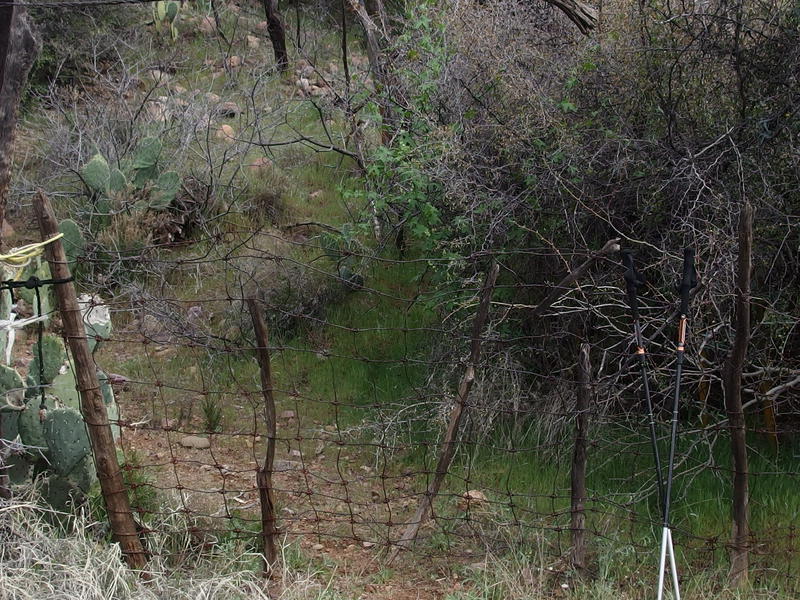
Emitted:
<point x="165" y="12"/>
<point x="150" y="188"/>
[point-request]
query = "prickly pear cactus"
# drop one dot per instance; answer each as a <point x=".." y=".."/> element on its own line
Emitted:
<point x="40" y="269"/>
<point x="53" y="355"/>
<point x="73" y="241"/>
<point x="96" y="174"/>
<point x="67" y="441"/>
<point x="167" y="187"/>
<point x="117" y="182"/>
<point x="145" y="161"/>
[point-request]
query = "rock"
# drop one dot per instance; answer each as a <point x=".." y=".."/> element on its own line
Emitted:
<point x="471" y="500"/>
<point x="157" y="111"/>
<point x="178" y="89"/>
<point x="253" y="42"/>
<point x="233" y="62"/>
<point x="159" y="76"/>
<point x="262" y="26"/>
<point x="229" y="110"/>
<point x="207" y="25"/>
<point x="152" y="329"/>
<point x="304" y="69"/>
<point x="318" y="91"/>
<point x="7" y="231"/>
<point x="302" y="84"/>
<point x="195" y="441"/>
<point x="212" y="97"/>
<point x="286" y="465"/>
<point x="259" y="165"/>
<point x="315" y="194"/>
<point x="296" y="453"/>
<point x="367" y="544"/>
<point x="287" y="414"/>
<point x="317" y="547"/>
<point x="226" y="133"/>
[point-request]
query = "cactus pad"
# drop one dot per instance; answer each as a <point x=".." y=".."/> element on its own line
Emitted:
<point x="66" y="438"/>
<point x="96" y="174"/>
<point x="54" y="355"/>
<point x="167" y="187"/>
<point x="145" y="160"/>
<point x="73" y="241"/>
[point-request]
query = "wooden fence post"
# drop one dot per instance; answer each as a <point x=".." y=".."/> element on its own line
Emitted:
<point x="732" y="381"/>
<point x="93" y="408"/>
<point x="584" y="370"/>
<point x="264" y="473"/>
<point x="448" y="448"/>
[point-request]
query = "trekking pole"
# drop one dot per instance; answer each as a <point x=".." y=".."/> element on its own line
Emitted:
<point x="633" y="281"/>
<point x="688" y="281"/>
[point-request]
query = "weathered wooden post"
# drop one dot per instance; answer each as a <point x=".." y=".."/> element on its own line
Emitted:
<point x="264" y="473"/>
<point x="93" y="408"/>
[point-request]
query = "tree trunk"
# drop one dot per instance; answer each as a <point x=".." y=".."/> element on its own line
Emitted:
<point x="368" y="13"/>
<point x="733" y="401"/>
<point x="18" y="50"/>
<point x="277" y="34"/>
<point x="579" y="461"/>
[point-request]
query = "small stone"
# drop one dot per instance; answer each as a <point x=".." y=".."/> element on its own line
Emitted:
<point x="262" y="26"/>
<point x="229" y="110"/>
<point x="253" y="42"/>
<point x="212" y="97"/>
<point x="318" y="91"/>
<point x="315" y="194"/>
<point x="368" y="544"/>
<point x="317" y="547"/>
<point x="287" y="414"/>
<point x="330" y="428"/>
<point x="296" y="453"/>
<point x="303" y="84"/>
<point x="226" y="133"/>
<point x="233" y="62"/>
<point x="196" y="442"/>
<point x="471" y="500"/>
<point x="207" y="25"/>
<point x="259" y="165"/>
<point x="159" y="76"/>
<point x="286" y="465"/>
<point x="178" y="89"/>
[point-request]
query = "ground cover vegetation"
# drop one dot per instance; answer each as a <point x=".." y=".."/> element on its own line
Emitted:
<point x="358" y="168"/>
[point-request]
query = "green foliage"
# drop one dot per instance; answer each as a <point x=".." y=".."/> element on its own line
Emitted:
<point x="212" y="414"/>
<point x="73" y="241"/>
<point x="67" y="442"/>
<point x="53" y="357"/>
<point x="96" y="174"/>
<point x="143" y="188"/>
<point x="164" y="14"/>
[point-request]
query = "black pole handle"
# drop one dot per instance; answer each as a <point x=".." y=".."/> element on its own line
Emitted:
<point x="688" y="280"/>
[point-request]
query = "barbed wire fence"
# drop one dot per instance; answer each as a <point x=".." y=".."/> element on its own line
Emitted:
<point x="423" y="419"/>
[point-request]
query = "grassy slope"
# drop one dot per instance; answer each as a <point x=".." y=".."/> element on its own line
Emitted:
<point x="361" y="331"/>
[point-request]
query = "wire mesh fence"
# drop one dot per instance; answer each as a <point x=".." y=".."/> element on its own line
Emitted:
<point x="370" y="376"/>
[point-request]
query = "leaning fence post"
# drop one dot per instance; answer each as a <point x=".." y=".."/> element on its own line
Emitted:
<point x="264" y="473"/>
<point x="93" y="408"/>
<point x="578" y="525"/>
<point x="448" y="447"/>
